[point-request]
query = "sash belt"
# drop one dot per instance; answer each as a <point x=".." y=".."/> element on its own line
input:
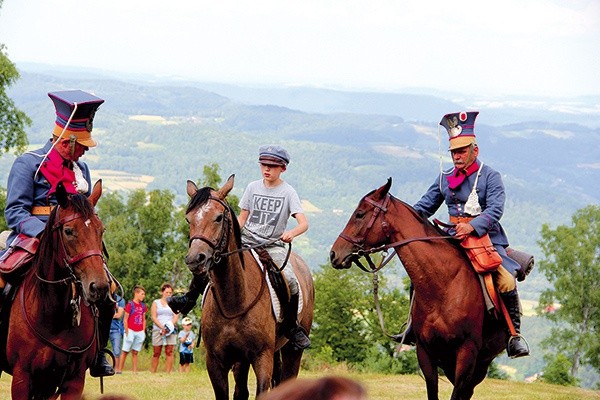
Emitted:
<point x="456" y="220"/>
<point x="41" y="210"/>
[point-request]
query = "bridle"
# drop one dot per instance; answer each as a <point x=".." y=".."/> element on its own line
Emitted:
<point x="69" y="261"/>
<point x="220" y="253"/>
<point x="220" y="245"/>
<point x="380" y="209"/>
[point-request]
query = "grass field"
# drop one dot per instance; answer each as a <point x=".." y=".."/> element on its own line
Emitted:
<point x="196" y="385"/>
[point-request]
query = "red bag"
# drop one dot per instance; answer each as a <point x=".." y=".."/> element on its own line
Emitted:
<point x="20" y="252"/>
<point x="482" y="253"/>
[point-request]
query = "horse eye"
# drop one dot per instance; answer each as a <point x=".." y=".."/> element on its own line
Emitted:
<point x="219" y="218"/>
<point x="68" y="231"/>
<point x="360" y="214"/>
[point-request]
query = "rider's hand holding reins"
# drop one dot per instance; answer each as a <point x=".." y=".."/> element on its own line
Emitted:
<point x="463" y="229"/>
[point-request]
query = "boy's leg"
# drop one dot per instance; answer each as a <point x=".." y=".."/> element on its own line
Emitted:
<point x="122" y="360"/>
<point x="134" y="360"/>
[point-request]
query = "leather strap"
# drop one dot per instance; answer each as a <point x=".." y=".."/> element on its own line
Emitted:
<point x="41" y="210"/>
<point x="498" y="302"/>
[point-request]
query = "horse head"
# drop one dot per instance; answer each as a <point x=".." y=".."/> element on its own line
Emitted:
<point x="77" y="233"/>
<point x="211" y="221"/>
<point x="362" y="233"/>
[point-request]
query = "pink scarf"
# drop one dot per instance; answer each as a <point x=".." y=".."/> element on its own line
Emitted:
<point x="458" y="176"/>
<point x="56" y="169"/>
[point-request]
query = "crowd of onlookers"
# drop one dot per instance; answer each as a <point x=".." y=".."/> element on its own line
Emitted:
<point x="128" y="332"/>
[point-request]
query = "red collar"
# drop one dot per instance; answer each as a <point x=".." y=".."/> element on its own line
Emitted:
<point x="458" y="176"/>
<point x="56" y="169"/>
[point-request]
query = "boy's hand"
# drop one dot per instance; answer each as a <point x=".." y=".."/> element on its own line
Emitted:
<point x="287" y="237"/>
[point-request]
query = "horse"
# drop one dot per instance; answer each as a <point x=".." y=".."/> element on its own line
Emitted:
<point x="52" y="335"/>
<point x="239" y="327"/>
<point x="452" y="327"/>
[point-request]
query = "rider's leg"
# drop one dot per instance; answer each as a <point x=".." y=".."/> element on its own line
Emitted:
<point x="506" y="283"/>
<point x="184" y="303"/>
<point x="292" y="330"/>
<point x="101" y="367"/>
<point x="408" y="336"/>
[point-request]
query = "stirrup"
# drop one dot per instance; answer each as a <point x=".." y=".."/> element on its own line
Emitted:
<point x="515" y="348"/>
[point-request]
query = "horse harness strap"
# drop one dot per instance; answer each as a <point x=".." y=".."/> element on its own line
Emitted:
<point x="69" y="351"/>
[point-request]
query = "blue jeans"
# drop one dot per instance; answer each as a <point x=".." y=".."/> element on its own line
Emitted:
<point x="116" y="340"/>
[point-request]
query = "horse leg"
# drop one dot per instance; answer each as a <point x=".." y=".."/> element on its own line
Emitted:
<point x="466" y="357"/>
<point x="429" y="368"/>
<point x="263" y="369"/>
<point x="276" y="377"/>
<point x="240" y="375"/>
<point x="218" y="377"/>
<point x="290" y="358"/>
<point x="73" y="389"/>
<point x="21" y="385"/>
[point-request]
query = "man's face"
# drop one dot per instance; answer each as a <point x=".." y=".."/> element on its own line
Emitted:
<point x="464" y="156"/>
<point x="64" y="148"/>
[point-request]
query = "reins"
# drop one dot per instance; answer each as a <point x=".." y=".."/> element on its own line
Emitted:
<point x="381" y="209"/>
<point x="219" y="254"/>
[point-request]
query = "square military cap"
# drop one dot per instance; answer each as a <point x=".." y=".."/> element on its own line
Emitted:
<point x="80" y="107"/>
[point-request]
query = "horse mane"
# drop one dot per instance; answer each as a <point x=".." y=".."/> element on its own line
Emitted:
<point x="201" y="197"/>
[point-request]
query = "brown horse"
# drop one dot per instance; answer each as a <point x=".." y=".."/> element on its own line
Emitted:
<point x="452" y="327"/>
<point x="53" y="326"/>
<point x="238" y="324"/>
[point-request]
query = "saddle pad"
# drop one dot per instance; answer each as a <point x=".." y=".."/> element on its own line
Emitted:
<point x="277" y="308"/>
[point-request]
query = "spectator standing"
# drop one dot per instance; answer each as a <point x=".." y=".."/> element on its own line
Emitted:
<point x="117" y="330"/>
<point x="135" y="327"/>
<point x="163" y="329"/>
<point x="186" y="345"/>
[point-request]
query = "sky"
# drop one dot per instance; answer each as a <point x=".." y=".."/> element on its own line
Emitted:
<point x="494" y="48"/>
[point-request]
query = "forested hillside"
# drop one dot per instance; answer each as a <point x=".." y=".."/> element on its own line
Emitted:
<point x="161" y="134"/>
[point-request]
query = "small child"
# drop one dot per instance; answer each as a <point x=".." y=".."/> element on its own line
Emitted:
<point x="186" y="346"/>
<point x="135" y="327"/>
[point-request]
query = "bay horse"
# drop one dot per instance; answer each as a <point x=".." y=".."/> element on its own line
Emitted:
<point x="52" y="335"/>
<point x="452" y="327"/>
<point x="239" y="327"/>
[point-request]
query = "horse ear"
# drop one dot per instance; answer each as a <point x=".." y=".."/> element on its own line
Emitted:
<point x="383" y="191"/>
<point x="191" y="188"/>
<point x="224" y="191"/>
<point x="96" y="192"/>
<point x="62" y="197"/>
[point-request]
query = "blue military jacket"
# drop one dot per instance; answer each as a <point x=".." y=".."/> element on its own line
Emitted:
<point x="25" y="190"/>
<point x="490" y="191"/>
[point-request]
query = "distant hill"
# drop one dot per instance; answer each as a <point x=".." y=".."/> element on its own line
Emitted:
<point x="343" y="144"/>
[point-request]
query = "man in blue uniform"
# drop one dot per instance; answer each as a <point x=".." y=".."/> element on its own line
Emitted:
<point x="474" y="194"/>
<point x="35" y="175"/>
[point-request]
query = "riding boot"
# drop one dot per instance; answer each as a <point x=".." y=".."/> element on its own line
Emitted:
<point x="101" y="366"/>
<point x="293" y="331"/>
<point x="184" y="303"/>
<point x="408" y="336"/>
<point x="516" y="347"/>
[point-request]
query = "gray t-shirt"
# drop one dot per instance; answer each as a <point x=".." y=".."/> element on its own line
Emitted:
<point x="269" y="210"/>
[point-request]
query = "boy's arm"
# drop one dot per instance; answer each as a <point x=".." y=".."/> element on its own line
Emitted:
<point x="297" y="230"/>
<point x="243" y="217"/>
<point x="126" y="323"/>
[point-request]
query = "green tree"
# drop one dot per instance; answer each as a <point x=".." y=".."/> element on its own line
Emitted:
<point x="572" y="264"/>
<point x="12" y="120"/>
<point x="557" y="370"/>
<point x="211" y="178"/>
<point x="346" y="320"/>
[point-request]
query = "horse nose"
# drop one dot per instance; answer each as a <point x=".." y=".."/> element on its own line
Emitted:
<point x="332" y="256"/>
<point x="195" y="259"/>
<point x="98" y="292"/>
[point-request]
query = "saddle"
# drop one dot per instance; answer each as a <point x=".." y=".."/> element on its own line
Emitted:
<point x="275" y="276"/>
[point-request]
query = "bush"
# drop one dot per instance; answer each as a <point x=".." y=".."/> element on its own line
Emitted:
<point x="557" y="370"/>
